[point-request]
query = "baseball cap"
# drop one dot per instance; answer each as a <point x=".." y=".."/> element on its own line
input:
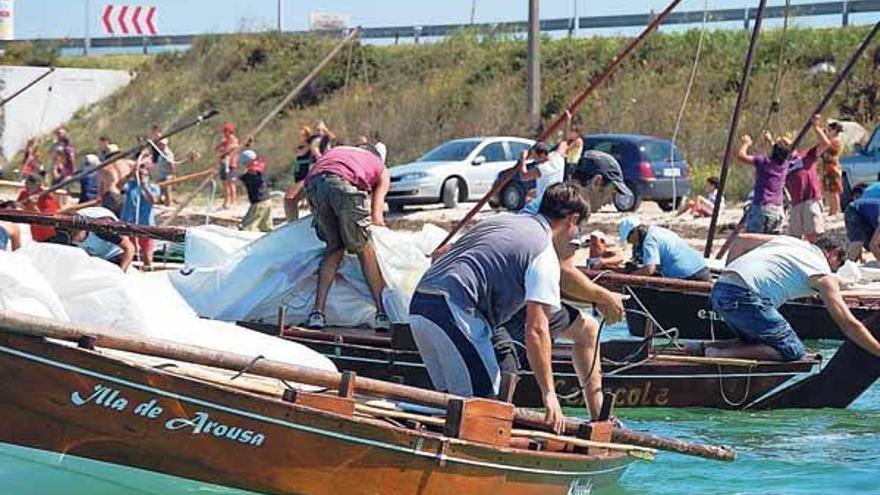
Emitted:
<point x="627" y="225"/>
<point x="247" y="156"/>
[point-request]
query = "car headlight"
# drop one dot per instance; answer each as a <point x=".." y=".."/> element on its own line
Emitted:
<point x="414" y="176"/>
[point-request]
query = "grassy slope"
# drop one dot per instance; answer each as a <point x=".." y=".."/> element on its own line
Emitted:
<point x="415" y="97"/>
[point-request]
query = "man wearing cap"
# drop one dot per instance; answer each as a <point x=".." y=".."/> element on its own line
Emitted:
<point x="659" y="250"/>
<point x="259" y="214"/>
<point x="88" y="184"/>
<point x="602" y="178"/>
<point x="346" y="189"/>
<point x="763" y="273"/>
<point x="862" y="219"/>
<point x="601" y="256"/>
<point x="765" y="215"/>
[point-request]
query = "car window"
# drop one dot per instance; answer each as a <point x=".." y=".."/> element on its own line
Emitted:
<point x="613" y="148"/>
<point x="494" y="152"/>
<point x="517" y="147"/>
<point x="657" y="150"/>
<point x="453" y="151"/>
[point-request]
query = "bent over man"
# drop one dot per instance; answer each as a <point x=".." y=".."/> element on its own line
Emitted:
<point x="346" y="190"/>
<point x="500" y="265"/>
<point x="768" y="272"/>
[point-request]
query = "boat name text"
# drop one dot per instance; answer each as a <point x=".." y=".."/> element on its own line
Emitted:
<point x="200" y="423"/>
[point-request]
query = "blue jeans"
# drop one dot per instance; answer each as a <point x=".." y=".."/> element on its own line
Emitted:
<point x="755" y="320"/>
<point x="765" y="219"/>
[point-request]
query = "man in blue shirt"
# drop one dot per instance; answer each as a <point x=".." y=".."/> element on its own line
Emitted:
<point x="862" y="218"/>
<point x="140" y="196"/>
<point x="656" y="249"/>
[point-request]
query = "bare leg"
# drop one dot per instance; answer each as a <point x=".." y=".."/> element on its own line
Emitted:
<point x="745" y="351"/>
<point x="169" y="196"/>
<point x="326" y="274"/>
<point x="370" y="267"/>
<point x="833" y="203"/>
<point x="233" y="192"/>
<point x="585" y="331"/>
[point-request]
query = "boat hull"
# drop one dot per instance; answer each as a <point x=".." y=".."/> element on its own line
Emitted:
<point x="685" y="305"/>
<point x="64" y="400"/>
<point x="654" y="383"/>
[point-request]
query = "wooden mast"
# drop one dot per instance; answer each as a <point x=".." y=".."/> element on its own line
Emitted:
<point x="734" y="124"/>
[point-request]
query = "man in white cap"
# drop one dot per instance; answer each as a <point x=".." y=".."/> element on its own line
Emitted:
<point x="658" y="250"/>
<point x="88" y="184"/>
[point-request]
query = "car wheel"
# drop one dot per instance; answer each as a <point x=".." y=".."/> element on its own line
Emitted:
<point x="626" y="203"/>
<point x="513" y="197"/>
<point x="669" y="205"/>
<point x="449" y="196"/>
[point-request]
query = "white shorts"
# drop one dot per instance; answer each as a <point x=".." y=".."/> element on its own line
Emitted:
<point x="806" y="218"/>
<point x="455" y="345"/>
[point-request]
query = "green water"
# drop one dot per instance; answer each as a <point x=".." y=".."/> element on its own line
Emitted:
<point x="795" y="452"/>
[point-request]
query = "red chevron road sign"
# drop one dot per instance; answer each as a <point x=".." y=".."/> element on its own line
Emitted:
<point x="129" y="20"/>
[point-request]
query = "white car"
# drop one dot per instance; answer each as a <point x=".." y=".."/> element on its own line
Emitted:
<point x="458" y="170"/>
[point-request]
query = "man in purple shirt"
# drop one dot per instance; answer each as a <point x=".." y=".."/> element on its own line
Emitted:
<point x="346" y="189"/>
<point x="766" y="213"/>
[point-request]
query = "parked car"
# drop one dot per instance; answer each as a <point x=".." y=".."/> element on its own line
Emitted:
<point x="652" y="169"/>
<point x="861" y="166"/>
<point x="456" y="171"/>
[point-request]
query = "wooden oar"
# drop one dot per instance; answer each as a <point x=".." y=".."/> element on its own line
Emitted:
<point x="41" y="327"/>
<point x="26" y="87"/>
<point x="597" y="81"/>
<point x="186" y="177"/>
<point x="76" y="222"/>
<point x="130" y="152"/>
<point x="252" y="135"/>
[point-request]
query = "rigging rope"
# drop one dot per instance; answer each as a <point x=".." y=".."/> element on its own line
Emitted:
<point x="773" y="111"/>
<point x="687" y="95"/>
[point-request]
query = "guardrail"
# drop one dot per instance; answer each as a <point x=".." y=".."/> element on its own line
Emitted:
<point x="844" y="8"/>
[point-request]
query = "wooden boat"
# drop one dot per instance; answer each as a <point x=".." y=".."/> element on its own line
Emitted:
<point x="635" y="374"/>
<point x="684" y="305"/>
<point x="115" y="408"/>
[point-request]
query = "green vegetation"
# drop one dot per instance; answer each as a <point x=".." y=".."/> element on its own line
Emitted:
<point x="416" y="96"/>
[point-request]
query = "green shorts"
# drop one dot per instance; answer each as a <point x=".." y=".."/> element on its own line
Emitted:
<point x="340" y="213"/>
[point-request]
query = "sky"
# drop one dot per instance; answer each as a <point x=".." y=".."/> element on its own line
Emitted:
<point x="67" y="18"/>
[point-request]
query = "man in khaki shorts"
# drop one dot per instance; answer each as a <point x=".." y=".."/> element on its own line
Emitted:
<point x="346" y="189"/>
<point x="807" y="220"/>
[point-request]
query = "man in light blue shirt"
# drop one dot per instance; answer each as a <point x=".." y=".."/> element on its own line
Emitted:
<point x="659" y="250"/>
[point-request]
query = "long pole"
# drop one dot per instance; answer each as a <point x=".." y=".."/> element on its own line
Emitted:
<point x="41" y="327"/>
<point x="28" y="86"/>
<point x="299" y="87"/>
<point x="75" y="222"/>
<point x="597" y="81"/>
<point x="533" y="71"/>
<point x="734" y="124"/>
<point x="280" y="16"/>
<point x="131" y="152"/>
